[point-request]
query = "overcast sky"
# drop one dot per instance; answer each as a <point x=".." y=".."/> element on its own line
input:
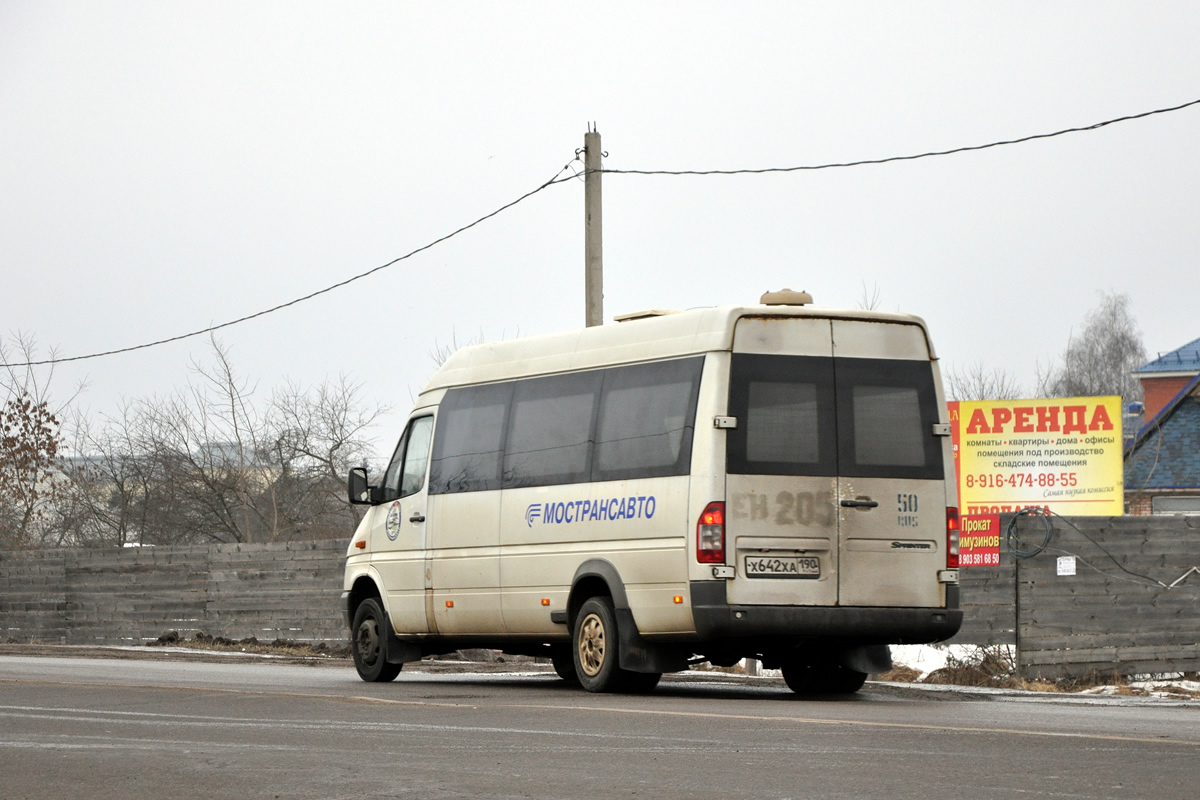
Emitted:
<point x="168" y="166"/>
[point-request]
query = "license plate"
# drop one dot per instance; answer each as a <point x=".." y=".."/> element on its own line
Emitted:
<point x="783" y="567"/>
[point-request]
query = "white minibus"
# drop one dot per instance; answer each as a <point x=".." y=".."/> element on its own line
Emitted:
<point x="770" y="481"/>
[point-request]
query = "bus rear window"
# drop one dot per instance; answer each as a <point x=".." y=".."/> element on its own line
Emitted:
<point x="857" y="417"/>
<point x="885" y="417"/>
<point x="785" y="411"/>
<point x="887" y="426"/>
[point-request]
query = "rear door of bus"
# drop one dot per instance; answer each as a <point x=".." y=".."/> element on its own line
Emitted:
<point x="835" y="483"/>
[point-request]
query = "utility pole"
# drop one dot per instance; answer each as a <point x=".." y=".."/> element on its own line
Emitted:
<point x="593" y="247"/>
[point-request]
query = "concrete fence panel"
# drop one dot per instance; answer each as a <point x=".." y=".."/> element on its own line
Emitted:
<point x="134" y="595"/>
<point x="33" y="596"/>
<point x="1111" y="615"/>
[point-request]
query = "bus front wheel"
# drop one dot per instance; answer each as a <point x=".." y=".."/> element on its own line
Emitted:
<point x="367" y="644"/>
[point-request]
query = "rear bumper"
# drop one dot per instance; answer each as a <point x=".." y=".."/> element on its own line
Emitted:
<point x="716" y="619"/>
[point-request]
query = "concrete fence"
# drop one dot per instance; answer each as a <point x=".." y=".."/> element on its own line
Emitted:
<point x="134" y="595"/>
<point x="1109" y="616"/>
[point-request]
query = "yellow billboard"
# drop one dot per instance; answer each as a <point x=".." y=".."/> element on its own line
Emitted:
<point x="1061" y="454"/>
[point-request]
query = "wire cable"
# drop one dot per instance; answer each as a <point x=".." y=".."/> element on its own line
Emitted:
<point x="555" y="180"/>
<point x="865" y="162"/>
<point x="577" y="174"/>
<point x="1014" y="543"/>
<point x="1015" y="547"/>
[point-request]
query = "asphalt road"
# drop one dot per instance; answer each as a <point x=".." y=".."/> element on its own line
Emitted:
<point x="175" y="727"/>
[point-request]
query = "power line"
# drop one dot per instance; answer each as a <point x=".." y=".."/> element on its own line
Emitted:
<point x="555" y="180"/>
<point x="889" y="159"/>
<point x="576" y="174"/>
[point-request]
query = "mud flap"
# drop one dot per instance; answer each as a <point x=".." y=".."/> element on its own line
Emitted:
<point x="638" y="655"/>
<point x="396" y="651"/>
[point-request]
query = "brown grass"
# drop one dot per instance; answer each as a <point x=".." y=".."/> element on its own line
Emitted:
<point x="286" y="647"/>
<point x="899" y="674"/>
<point x="986" y="666"/>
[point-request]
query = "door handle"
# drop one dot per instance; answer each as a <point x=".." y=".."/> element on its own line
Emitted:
<point x="417" y="518"/>
<point x="859" y="504"/>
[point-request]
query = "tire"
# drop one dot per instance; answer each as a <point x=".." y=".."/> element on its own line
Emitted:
<point x="367" y="643"/>
<point x="595" y="646"/>
<point x="564" y="664"/>
<point x="804" y="677"/>
<point x="844" y="680"/>
<point x="595" y="652"/>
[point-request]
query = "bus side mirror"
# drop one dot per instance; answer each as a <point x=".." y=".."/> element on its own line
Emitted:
<point x="357" y="490"/>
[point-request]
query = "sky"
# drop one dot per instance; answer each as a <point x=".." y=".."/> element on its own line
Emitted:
<point x="165" y="167"/>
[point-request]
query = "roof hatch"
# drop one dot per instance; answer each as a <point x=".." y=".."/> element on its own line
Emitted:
<point x="786" y="297"/>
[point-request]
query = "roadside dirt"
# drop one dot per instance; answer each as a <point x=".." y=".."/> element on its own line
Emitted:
<point x="263" y="653"/>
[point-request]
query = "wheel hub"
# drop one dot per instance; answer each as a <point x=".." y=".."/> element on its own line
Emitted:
<point x="591" y="645"/>
<point x="368" y="641"/>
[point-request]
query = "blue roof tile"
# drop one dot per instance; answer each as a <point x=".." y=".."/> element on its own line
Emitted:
<point x="1185" y="359"/>
<point x="1168" y="457"/>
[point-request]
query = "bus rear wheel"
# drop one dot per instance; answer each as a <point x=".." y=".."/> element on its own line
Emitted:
<point x="596" y="647"/>
<point x="805" y="677"/>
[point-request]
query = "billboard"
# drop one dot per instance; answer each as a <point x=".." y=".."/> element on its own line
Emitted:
<point x="979" y="541"/>
<point x="1063" y="454"/>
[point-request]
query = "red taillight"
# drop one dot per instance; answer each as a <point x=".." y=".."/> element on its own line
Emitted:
<point x="951" y="537"/>
<point x="710" y="534"/>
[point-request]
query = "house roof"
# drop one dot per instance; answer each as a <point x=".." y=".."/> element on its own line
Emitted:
<point x="1165" y="453"/>
<point x="1183" y="359"/>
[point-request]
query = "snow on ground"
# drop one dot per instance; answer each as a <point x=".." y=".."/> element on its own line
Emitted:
<point x="926" y="658"/>
<point x="1172" y="688"/>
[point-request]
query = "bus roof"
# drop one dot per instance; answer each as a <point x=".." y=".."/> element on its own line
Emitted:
<point x="651" y="338"/>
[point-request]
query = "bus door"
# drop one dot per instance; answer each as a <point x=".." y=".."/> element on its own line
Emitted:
<point x="781" y="464"/>
<point x="398" y="529"/>
<point x="835" y="486"/>
<point x="891" y="479"/>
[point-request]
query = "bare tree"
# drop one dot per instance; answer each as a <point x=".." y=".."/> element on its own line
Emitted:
<point x="316" y="436"/>
<point x="869" y="300"/>
<point x="109" y="491"/>
<point x="218" y="462"/>
<point x="441" y="352"/>
<point x="977" y="382"/>
<point x="1099" y="361"/>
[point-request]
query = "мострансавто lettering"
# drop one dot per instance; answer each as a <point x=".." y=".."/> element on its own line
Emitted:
<point x="606" y="510"/>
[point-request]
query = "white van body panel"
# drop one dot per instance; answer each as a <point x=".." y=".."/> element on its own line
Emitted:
<point x="783" y="336"/>
<point x="708" y="456"/>
<point x="877" y="339"/>
<point x="465" y="561"/>
<point x="549" y="530"/>
<point x="704" y="330"/>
